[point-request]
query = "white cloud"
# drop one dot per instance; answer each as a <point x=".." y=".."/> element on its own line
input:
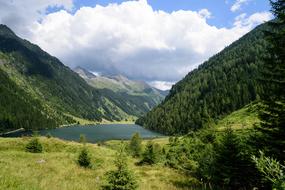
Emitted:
<point x="205" y="13"/>
<point x="133" y="39"/>
<point x="20" y="15"/>
<point x="242" y="21"/>
<point x="237" y="5"/>
<point x="162" y="85"/>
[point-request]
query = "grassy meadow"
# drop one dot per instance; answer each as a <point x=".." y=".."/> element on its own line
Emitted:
<point x="56" y="168"/>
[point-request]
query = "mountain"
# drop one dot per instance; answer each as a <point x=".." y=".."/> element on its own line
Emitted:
<point x="38" y="91"/>
<point x="225" y="83"/>
<point x="120" y="83"/>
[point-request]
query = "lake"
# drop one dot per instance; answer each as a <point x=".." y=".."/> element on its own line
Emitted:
<point x="94" y="133"/>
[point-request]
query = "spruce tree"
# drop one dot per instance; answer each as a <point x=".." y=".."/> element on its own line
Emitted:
<point x="84" y="159"/>
<point x="34" y="146"/>
<point x="272" y="113"/>
<point x="150" y="154"/>
<point x="121" y="178"/>
<point x="232" y="169"/>
<point x="135" y="145"/>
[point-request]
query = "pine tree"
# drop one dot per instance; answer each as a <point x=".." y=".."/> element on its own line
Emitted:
<point x="272" y="114"/>
<point x="232" y="168"/>
<point x="150" y="155"/>
<point x="34" y="146"/>
<point x="121" y="178"/>
<point x="82" y="139"/>
<point x="272" y="170"/>
<point x="135" y="145"/>
<point x="84" y="159"/>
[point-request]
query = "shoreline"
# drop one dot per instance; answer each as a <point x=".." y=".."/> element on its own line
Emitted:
<point x="14" y="131"/>
<point x="74" y="124"/>
<point x="99" y="123"/>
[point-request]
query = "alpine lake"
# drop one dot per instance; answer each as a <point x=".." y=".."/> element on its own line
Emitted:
<point x="93" y="133"/>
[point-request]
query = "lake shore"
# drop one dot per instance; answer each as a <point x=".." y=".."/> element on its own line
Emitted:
<point x="86" y="122"/>
<point x="13" y="131"/>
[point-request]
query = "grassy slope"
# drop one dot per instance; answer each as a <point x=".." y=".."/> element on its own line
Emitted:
<point x="244" y="118"/>
<point x="21" y="170"/>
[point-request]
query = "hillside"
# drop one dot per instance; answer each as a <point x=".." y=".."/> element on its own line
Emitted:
<point x="221" y="85"/>
<point x="55" y="94"/>
<point x="14" y="106"/>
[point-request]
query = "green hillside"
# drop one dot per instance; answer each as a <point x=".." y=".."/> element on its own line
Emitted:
<point x="15" y="103"/>
<point x="56" y="93"/>
<point x="221" y="85"/>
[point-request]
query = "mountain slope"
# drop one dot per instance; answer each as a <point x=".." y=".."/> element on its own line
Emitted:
<point x="14" y="106"/>
<point x="56" y="92"/>
<point x="221" y="85"/>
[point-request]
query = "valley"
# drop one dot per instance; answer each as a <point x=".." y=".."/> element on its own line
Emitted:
<point x="99" y="117"/>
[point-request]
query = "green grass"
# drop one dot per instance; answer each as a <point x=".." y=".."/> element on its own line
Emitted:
<point x="56" y="167"/>
<point x="244" y="118"/>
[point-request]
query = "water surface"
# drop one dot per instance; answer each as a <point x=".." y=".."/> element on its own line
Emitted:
<point x="95" y="133"/>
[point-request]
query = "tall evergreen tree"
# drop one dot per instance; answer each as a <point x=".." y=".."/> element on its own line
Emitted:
<point x="233" y="169"/>
<point x="135" y="145"/>
<point x="121" y="178"/>
<point x="151" y="154"/>
<point x="272" y="114"/>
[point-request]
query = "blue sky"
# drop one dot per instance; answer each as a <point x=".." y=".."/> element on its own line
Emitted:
<point x="222" y="16"/>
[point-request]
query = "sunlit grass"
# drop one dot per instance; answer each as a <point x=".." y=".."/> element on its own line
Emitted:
<point x="56" y="167"/>
<point x="244" y="118"/>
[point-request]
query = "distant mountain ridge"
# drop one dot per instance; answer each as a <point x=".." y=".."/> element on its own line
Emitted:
<point x="119" y="83"/>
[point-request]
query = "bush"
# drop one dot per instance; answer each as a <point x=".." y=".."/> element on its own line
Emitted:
<point x="34" y="146"/>
<point x="84" y="159"/>
<point x="135" y="145"/>
<point x="121" y="178"/>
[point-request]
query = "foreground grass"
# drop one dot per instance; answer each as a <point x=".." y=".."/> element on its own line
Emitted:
<point x="56" y="167"/>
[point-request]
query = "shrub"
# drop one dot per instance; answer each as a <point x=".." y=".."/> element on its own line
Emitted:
<point x="34" y="146"/>
<point x="84" y="158"/>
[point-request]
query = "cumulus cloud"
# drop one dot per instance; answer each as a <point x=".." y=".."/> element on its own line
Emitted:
<point x="132" y="39"/>
<point x="253" y="20"/>
<point x="237" y="5"/>
<point x="21" y="15"/>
